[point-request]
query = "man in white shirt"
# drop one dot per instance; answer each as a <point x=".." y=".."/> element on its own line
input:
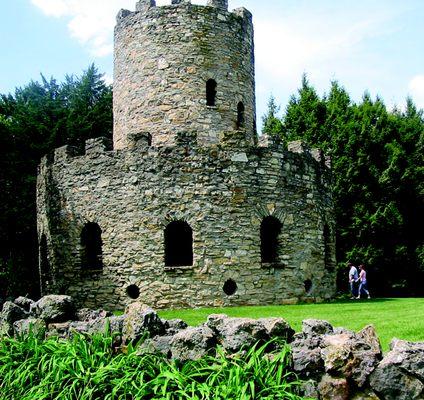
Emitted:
<point x="353" y="277"/>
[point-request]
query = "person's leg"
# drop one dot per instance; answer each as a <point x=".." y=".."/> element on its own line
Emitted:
<point x="352" y="289"/>
<point x="365" y="289"/>
<point x="359" y="291"/>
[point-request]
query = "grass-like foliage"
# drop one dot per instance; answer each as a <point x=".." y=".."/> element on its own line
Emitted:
<point x="89" y="368"/>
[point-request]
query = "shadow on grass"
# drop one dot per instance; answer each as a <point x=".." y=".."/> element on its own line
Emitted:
<point x="348" y="301"/>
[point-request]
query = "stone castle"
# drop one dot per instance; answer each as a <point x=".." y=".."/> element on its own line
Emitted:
<point x="187" y="208"/>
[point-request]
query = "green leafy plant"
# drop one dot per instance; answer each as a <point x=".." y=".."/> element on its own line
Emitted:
<point x="88" y="368"/>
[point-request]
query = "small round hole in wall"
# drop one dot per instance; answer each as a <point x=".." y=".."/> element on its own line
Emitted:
<point x="230" y="287"/>
<point x="133" y="292"/>
<point x="308" y="286"/>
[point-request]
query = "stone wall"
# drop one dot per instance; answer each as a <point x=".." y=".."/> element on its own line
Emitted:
<point x="163" y="58"/>
<point x="223" y="192"/>
<point x="333" y="363"/>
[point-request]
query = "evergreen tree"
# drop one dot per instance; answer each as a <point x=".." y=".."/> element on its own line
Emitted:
<point x="272" y="124"/>
<point x="36" y="119"/>
<point x="377" y="159"/>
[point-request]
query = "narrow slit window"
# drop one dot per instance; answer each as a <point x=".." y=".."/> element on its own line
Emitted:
<point x="178" y="244"/>
<point x="211" y="92"/>
<point x="91" y="245"/>
<point x="270" y="230"/>
<point x="240" y="116"/>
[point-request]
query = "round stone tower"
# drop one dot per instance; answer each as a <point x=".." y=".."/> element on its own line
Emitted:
<point x="183" y="68"/>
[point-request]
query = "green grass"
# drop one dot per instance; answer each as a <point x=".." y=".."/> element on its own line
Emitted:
<point x="400" y="318"/>
<point x="88" y="368"/>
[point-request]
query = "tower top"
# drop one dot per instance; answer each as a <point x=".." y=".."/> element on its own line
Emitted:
<point x="183" y="68"/>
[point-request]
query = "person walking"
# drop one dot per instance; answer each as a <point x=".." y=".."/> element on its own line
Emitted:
<point x="363" y="286"/>
<point x="353" y="278"/>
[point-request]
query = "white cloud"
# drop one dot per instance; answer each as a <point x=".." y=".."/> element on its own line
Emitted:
<point x="416" y="88"/>
<point x="91" y="22"/>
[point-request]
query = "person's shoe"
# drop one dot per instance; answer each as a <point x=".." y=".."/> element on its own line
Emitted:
<point x="357" y="298"/>
<point x="353" y="298"/>
<point x="369" y="296"/>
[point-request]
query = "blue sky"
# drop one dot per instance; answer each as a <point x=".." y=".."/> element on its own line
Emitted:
<point x="374" y="45"/>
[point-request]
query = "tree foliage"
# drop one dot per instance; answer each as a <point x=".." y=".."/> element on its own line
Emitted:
<point x="33" y="121"/>
<point x="377" y="158"/>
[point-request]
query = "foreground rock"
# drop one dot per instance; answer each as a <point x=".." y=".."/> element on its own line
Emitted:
<point x="334" y="363"/>
<point x="141" y="321"/>
<point x="236" y="334"/>
<point x="54" y="308"/>
<point x="400" y="375"/>
<point x="9" y="315"/>
<point x="193" y="343"/>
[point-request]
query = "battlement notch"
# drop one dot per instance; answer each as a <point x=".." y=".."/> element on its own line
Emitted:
<point x="144" y="5"/>
<point x="221" y="4"/>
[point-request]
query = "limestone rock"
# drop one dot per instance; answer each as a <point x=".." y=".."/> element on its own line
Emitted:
<point x="174" y="326"/>
<point x="59" y="329"/>
<point x="399" y="376"/>
<point x="157" y="345"/>
<point x="352" y="356"/>
<point x="309" y="389"/>
<point x="193" y="343"/>
<point x="365" y="395"/>
<point x="85" y="314"/>
<point x="54" y="308"/>
<point x="277" y="328"/>
<point x="316" y="327"/>
<point x="235" y="334"/>
<point x="24" y="302"/>
<point x="34" y="326"/>
<point x="10" y="314"/>
<point x="333" y="388"/>
<point x="141" y="320"/>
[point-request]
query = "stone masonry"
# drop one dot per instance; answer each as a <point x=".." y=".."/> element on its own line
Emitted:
<point x="175" y="158"/>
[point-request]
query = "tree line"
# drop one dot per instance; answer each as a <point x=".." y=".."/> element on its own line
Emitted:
<point x="377" y="158"/>
<point x="378" y="170"/>
<point x="36" y="119"/>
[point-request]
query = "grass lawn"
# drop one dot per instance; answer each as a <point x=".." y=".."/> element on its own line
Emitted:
<point x="400" y="318"/>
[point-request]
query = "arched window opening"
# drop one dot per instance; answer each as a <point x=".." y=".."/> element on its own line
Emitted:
<point x="178" y="244"/>
<point x="45" y="271"/>
<point x="240" y="116"/>
<point x="270" y="230"/>
<point x="211" y="92"/>
<point x="327" y="247"/>
<point x="308" y="286"/>
<point x="91" y="244"/>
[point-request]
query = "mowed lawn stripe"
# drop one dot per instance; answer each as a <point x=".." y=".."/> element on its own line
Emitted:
<point x="400" y="318"/>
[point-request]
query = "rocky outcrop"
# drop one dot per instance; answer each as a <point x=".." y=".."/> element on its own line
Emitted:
<point x="141" y="321"/>
<point x="54" y="308"/>
<point x="400" y="375"/>
<point x="193" y="343"/>
<point x="334" y="363"/>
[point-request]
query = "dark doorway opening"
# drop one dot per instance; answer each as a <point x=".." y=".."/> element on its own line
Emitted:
<point x="211" y="92"/>
<point x="91" y="246"/>
<point x="178" y="244"/>
<point x="270" y="230"/>
<point x="230" y="287"/>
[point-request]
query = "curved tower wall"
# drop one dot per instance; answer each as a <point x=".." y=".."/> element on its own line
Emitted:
<point x="163" y="58"/>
